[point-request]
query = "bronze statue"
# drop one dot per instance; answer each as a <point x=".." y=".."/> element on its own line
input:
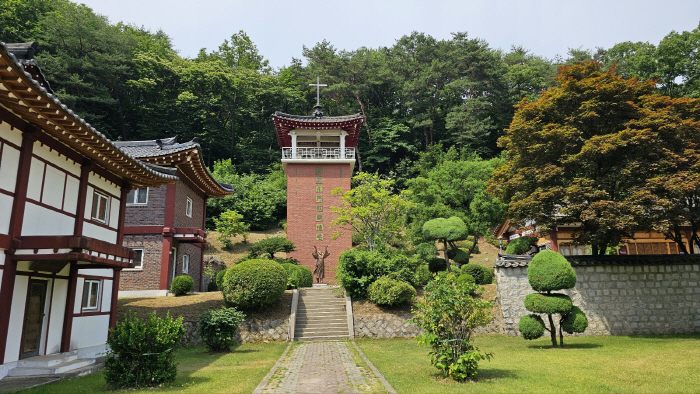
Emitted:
<point x="320" y="269"/>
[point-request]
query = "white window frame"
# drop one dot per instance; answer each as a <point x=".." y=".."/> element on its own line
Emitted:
<point x="134" y="200"/>
<point x="185" y="264"/>
<point x="96" y="196"/>
<point x="138" y="264"/>
<point x="188" y="207"/>
<point x="87" y="287"/>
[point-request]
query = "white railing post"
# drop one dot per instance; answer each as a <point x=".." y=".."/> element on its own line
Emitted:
<point x="294" y="144"/>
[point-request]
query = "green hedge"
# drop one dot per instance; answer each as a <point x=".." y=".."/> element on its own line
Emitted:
<point x="220" y="279"/>
<point x="182" y="285"/>
<point x="217" y="328"/>
<point x="298" y="276"/>
<point x="388" y="291"/>
<point x="357" y="269"/>
<point x="254" y="284"/>
<point x="141" y="351"/>
<point x="481" y="274"/>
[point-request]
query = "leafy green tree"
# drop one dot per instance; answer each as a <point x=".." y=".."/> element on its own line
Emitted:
<point x="229" y="224"/>
<point x="19" y="19"/>
<point x="445" y="230"/>
<point x="448" y="185"/>
<point x="373" y="209"/>
<point x="549" y="271"/>
<point x="260" y="199"/>
<point x="575" y="156"/>
<point x="448" y="314"/>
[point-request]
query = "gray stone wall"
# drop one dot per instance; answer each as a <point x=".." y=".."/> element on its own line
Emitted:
<point x="250" y="331"/>
<point x="617" y="299"/>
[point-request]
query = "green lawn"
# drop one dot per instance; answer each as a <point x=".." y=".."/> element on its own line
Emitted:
<point x="639" y="364"/>
<point x="198" y="372"/>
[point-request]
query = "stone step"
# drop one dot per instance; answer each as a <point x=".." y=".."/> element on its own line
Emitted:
<point x="321" y="313"/>
<point x="322" y="338"/>
<point x="302" y="332"/>
<point x="47" y="361"/>
<point x="321" y="310"/>
<point x="321" y="324"/>
<point x="63" y="367"/>
<point x="327" y="318"/>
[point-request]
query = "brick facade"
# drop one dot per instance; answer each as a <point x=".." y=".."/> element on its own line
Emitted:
<point x="147" y="278"/>
<point x="154" y="214"/>
<point x="303" y="208"/>
<point x="151" y="214"/>
<point x="181" y="194"/>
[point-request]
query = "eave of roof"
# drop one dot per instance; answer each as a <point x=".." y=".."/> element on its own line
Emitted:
<point x="284" y="123"/>
<point x="31" y="102"/>
<point x="186" y="156"/>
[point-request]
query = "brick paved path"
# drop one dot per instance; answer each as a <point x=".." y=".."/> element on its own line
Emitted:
<point x="320" y="368"/>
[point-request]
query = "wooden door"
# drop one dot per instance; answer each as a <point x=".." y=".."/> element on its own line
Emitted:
<point x="33" y="318"/>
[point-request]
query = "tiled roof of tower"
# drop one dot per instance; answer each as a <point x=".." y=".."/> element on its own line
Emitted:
<point x="23" y="95"/>
<point x="185" y="156"/>
<point x="284" y="123"/>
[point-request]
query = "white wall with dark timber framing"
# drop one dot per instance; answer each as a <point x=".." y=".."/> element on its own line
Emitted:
<point x="14" y="334"/>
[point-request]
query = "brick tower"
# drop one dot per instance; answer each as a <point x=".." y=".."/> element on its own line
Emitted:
<point x="318" y="155"/>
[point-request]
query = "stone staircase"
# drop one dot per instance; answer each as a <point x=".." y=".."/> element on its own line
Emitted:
<point x="321" y="315"/>
<point x="54" y="364"/>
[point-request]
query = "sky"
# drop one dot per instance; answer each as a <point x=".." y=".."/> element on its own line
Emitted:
<point x="281" y="29"/>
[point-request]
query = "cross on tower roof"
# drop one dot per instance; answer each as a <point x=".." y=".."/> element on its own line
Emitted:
<point x="318" y="85"/>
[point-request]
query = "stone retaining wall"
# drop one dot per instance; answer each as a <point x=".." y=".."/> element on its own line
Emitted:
<point x="250" y="331"/>
<point x="619" y="296"/>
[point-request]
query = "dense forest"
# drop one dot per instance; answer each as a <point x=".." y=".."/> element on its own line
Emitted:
<point x="131" y="84"/>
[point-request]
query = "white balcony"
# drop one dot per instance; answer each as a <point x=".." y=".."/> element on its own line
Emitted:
<point x="318" y="153"/>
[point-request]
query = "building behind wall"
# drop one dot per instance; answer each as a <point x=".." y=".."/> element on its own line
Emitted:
<point x="63" y="188"/>
<point x="165" y="225"/>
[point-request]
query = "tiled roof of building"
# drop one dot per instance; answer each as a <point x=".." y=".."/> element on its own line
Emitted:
<point x="284" y="123"/>
<point x="185" y="156"/>
<point x="514" y="261"/>
<point x="24" y="94"/>
<point x="24" y="54"/>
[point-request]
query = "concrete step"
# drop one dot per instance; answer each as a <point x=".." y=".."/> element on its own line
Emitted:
<point x="327" y="319"/>
<point x="305" y="332"/>
<point x="321" y="324"/>
<point x="47" y="361"/>
<point x="55" y="369"/>
<point x="322" y="338"/>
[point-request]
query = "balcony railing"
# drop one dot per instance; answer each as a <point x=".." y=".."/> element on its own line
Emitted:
<point x="318" y="153"/>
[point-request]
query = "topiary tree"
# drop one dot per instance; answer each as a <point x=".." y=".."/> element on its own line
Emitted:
<point x="254" y="284"/>
<point x="550" y="271"/>
<point x="269" y="246"/>
<point x="445" y="230"/>
<point x="181" y="285"/>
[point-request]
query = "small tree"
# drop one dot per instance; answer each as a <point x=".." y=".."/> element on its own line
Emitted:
<point x="449" y="313"/>
<point x="269" y="246"/>
<point x="445" y="230"/>
<point x="371" y="208"/>
<point x="229" y="224"/>
<point x="550" y="271"/>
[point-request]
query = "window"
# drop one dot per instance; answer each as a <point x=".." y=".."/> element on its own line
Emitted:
<point x="91" y="294"/>
<point x="100" y="207"/>
<point x="138" y="259"/>
<point x="185" y="264"/>
<point x="137" y="197"/>
<point x="188" y="208"/>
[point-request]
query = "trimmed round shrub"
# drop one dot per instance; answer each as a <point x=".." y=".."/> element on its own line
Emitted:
<point x="548" y="303"/>
<point x="212" y="286"/>
<point x="423" y="275"/>
<point x="531" y="326"/>
<point x="459" y="256"/>
<point x="141" y="352"/>
<point x="437" y="264"/>
<point x="254" y="284"/>
<point x="217" y="328"/>
<point x="298" y="276"/>
<point x="481" y="274"/>
<point x="456" y="270"/>
<point x="575" y="321"/>
<point x="357" y="269"/>
<point x="465" y="278"/>
<point x="520" y="245"/>
<point x="549" y="271"/>
<point x="181" y="285"/>
<point x="388" y="291"/>
<point x="220" y="279"/>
